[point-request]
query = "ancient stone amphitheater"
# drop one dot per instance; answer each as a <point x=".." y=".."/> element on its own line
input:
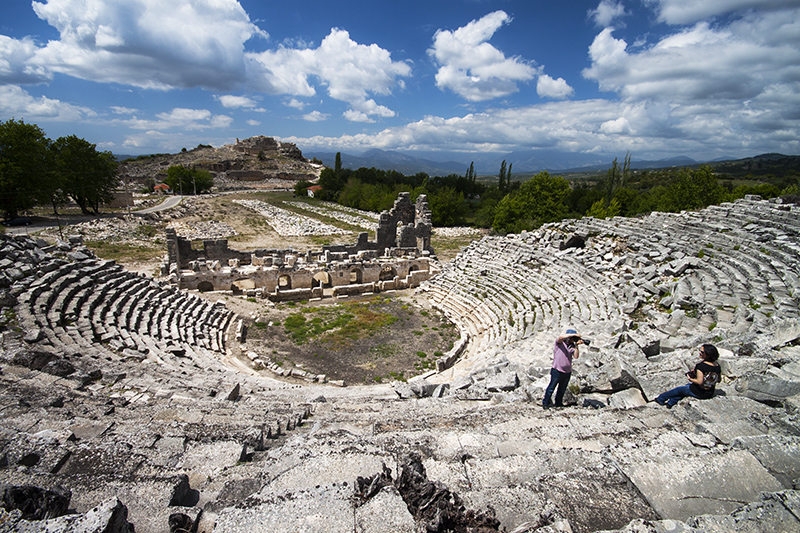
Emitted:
<point x="121" y="405"/>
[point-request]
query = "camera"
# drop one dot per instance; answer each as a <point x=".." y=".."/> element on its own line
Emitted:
<point x="574" y="340"/>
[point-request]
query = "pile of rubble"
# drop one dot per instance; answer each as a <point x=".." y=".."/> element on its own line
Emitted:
<point x="354" y="220"/>
<point x="128" y="228"/>
<point x="289" y="224"/>
<point x="209" y="230"/>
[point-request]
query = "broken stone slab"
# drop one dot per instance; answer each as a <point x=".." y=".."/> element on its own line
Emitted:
<point x="627" y="399"/>
<point x="441" y="390"/>
<point x="649" y="342"/>
<point x="108" y="517"/>
<point x="502" y="382"/>
<point x="385" y="512"/>
<point x="780" y="454"/>
<point x="776" y="511"/>
<point x="322" y="509"/>
<point x="680" y="488"/>
<point x="150" y="500"/>
<point x="421" y="387"/>
<point x="728" y="417"/>
<point x="209" y="459"/>
<point x="736" y="367"/>
<point x="461" y="383"/>
<point x="613" y="375"/>
<point x="478" y="391"/>
<point x="403" y="390"/>
<point x="35" y="503"/>
<point x="775" y="385"/>
<point x="786" y="331"/>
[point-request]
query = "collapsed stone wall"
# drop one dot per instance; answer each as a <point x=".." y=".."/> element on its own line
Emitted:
<point x="260" y="143"/>
<point x="388" y="263"/>
<point x="414" y="221"/>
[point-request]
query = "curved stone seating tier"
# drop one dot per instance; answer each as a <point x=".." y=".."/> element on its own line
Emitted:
<point x="724" y="269"/>
<point x="97" y="304"/>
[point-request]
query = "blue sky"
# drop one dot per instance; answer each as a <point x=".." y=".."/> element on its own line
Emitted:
<point x="656" y="78"/>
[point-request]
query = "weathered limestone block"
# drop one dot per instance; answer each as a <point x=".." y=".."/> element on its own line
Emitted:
<point x="108" y="517"/>
<point x="627" y="399"/>
<point x="780" y="454"/>
<point x="327" y="509"/>
<point x="505" y="381"/>
<point x="728" y="417"/>
<point x="208" y="460"/>
<point x="679" y="488"/>
<point x="614" y="375"/>
<point x="736" y="367"/>
<point x="772" y="386"/>
<point x="385" y="512"/>
<point x="647" y="341"/>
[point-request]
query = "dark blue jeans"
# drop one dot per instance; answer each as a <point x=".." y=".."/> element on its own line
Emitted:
<point x="673" y="396"/>
<point x="560" y="379"/>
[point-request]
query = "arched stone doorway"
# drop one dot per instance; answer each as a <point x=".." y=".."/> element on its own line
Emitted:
<point x="205" y="286"/>
<point x="284" y="282"/>
<point x="241" y="285"/>
<point x="388" y="273"/>
<point x="324" y="278"/>
<point x="356" y="276"/>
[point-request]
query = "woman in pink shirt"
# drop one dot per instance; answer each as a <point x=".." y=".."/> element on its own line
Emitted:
<point x="566" y="349"/>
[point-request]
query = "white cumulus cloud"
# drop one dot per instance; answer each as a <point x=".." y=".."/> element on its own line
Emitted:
<point x="232" y="102"/>
<point x="147" y="43"/>
<point x="473" y="68"/>
<point x="181" y="118"/>
<point x="701" y="63"/>
<point x="315" y="116"/>
<point x="15" y="101"/>
<point x="350" y="71"/>
<point x="691" y="11"/>
<point x="607" y="12"/>
<point x="553" y="88"/>
<point x="15" y="62"/>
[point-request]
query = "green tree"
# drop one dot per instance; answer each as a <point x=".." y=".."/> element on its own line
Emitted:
<point x="502" y="183"/>
<point x="87" y="176"/>
<point x="447" y="207"/>
<point x="188" y="180"/>
<point x="471" y="172"/>
<point x="693" y="189"/>
<point x="301" y="187"/>
<point x="337" y="165"/>
<point x="541" y="199"/>
<point x="26" y="176"/>
<point x="599" y="209"/>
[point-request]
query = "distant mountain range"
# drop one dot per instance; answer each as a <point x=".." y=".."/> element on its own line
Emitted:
<point x="522" y="162"/>
<point x="533" y="161"/>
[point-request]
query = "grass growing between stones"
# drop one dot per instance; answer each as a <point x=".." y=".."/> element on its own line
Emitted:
<point x="337" y="325"/>
<point x="124" y="252"/>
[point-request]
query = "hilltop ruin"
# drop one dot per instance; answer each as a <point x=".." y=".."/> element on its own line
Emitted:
<point x="254" y="161"/>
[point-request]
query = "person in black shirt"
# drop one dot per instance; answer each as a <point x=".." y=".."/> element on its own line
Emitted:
<point x="702" y="379"/>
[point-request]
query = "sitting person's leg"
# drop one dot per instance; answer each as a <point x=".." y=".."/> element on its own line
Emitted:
<point x="672" y="397"/>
